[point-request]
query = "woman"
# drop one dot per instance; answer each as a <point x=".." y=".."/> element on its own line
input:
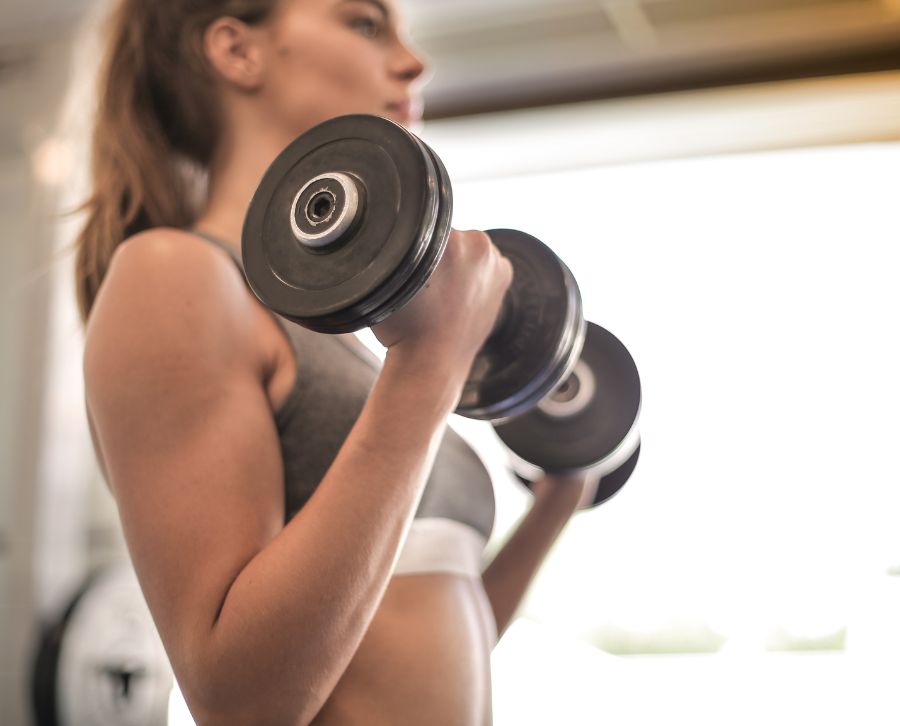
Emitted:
<point x="305" y="529"/>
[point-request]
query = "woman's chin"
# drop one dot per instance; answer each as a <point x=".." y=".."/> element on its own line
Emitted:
<point x="410" y="123"/>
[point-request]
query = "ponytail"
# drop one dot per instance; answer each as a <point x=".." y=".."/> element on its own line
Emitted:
<point x="157" y="122"/>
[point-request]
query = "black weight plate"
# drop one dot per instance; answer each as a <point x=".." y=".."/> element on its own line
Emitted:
<point x="540" y="337"/>
<point x="416" y="279"/>
<point x="334" y="291"/>
<point x="610" y="484"/>
<point x="592" y="434"/>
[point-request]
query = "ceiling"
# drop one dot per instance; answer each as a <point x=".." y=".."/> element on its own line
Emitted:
<point x="499" y="54"/>
<point x="488" y="55"/>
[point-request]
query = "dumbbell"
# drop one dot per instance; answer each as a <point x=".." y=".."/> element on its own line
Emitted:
<point x="590" y="421"/>
<point x="348" y="224"/>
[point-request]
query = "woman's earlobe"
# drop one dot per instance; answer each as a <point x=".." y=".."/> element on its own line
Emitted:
<point x="233" y="52"/>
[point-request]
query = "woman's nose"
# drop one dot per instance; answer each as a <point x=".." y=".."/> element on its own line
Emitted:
<point x="410" y="64"/>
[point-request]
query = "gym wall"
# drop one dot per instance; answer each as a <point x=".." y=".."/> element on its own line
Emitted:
<point x="56" y="519"/>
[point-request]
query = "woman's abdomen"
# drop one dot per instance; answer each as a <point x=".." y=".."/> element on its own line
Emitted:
<point x="424" y="659"/>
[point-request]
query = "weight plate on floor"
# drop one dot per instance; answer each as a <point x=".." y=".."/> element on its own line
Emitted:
<point x="538" y="339"/>
<point x="336" y="268"/>
<point x="103" y="662"/>
<point x="570" y="431"/>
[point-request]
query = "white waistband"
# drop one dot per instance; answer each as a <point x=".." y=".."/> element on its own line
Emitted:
<point x="436" y="544"/>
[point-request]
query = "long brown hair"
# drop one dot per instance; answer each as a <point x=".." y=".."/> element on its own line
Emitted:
<point x="157" y="118"/>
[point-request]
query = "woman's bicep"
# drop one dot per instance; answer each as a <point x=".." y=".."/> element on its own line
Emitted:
<point x="186" y="433"/>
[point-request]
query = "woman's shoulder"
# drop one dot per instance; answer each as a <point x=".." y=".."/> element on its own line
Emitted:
<point x="170" y="288"/>
<point x="174" y="252"/>
<point x="173" y="266"/>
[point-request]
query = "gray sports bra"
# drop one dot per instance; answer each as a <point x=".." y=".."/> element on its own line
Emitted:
<point x="333" y="382"/>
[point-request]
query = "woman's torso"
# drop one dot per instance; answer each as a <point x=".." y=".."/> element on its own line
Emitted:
<point x="426" y="655"/>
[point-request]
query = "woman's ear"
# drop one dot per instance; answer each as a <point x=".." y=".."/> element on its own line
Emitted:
<point x="234" y="52"/>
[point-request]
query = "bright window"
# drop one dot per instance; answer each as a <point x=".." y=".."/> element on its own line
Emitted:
<point x="758" y="294"/>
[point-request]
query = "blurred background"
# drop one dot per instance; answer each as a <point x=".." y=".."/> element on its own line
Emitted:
<point x="721" y="176"/>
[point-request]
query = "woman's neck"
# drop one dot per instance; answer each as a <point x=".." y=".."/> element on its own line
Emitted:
<point x="235" y="172"/>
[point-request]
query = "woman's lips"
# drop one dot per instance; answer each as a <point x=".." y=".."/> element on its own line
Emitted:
<point x="407" y="110"/>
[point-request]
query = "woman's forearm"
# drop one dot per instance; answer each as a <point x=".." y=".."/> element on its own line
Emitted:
<point x="508" y="576"/>
<point x="295" y="615"/>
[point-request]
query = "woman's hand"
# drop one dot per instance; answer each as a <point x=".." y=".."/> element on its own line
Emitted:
<point x="569" y="491"/>
<point x="454" y="313"/>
